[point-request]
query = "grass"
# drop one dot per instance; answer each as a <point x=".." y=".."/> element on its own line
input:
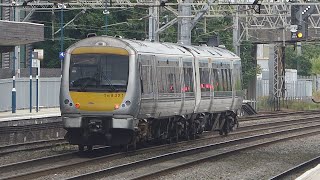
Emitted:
<point x="265" y="104"/>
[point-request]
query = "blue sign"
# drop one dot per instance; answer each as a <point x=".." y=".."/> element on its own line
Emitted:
<point x="61" y="55"/>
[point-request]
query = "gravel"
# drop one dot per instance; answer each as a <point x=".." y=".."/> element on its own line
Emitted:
<point x="28" y="155"/>
<point x="260" y="163"/>
<point x="228" y="168"/>
<point x="131" y="158"/>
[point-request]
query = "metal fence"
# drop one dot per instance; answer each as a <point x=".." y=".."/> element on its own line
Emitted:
<point x="300" y="89"/>
<point x="48" y="93"/>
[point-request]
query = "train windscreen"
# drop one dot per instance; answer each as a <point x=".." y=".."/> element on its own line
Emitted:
<point x="98" y="72"/>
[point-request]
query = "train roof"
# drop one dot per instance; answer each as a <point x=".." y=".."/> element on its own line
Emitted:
<point x="157" y="47"/>
<point x="209" y="51"/>
<point x="160" y="47"/>
<point x="179" y="49"/>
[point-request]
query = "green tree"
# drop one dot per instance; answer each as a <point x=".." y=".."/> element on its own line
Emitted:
<point x="301" y="63"/>
<point x="220" y="27"/>
<point x="249" y="68"/>
<point x="315" y="65"/>
<point x="92" y="21"/>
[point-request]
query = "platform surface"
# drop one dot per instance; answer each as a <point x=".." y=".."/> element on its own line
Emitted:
<point x="312" y="174"/>
<point x="25" y="114"/>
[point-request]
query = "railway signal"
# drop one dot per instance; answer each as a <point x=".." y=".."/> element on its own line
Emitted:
<point x="299" y="18"/>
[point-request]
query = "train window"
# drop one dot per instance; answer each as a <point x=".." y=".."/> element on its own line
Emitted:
<point x="229" y="79"/>
<point x="215" y="80"/>
<point x="188" y="80"/>
<point x="99" y="72"/>
<point x="223" y="80"/>
<point x="147" y="76"/>
<point x="205" y="84"/>
<point x="168" y="78"/>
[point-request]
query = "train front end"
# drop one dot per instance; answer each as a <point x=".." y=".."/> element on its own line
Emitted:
<point x="96" y="104"/>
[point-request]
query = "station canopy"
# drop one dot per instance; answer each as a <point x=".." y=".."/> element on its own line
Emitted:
<point x="19" y="33"/>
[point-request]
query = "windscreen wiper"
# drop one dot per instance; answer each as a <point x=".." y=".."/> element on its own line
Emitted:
<point x="86" y="83"/>
<point x="109" y="82"/>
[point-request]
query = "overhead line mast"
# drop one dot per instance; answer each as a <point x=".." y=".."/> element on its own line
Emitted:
<point x="251" y="25"/>
<point x="260" y="21"/>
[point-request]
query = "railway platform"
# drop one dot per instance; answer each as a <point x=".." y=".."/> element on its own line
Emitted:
<point x="24" y="117"/>
<point x="312" y="174"/>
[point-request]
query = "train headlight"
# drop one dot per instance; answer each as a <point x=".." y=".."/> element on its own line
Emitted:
<point x="77" y="105"/>
<point x="116" y="106"/>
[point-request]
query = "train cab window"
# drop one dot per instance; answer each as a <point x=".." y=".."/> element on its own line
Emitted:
<point x="99" y="72"/>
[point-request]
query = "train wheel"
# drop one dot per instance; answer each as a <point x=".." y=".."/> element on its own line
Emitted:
<point x="193" y="137"/>
<point x="90" y="148"/>
<point x="176" y="138"/>
<point x="226" y="127"/>
<point x="134" y="144"/>
<point x="220" y="132"/>
<point x="81" y="147"/>
<point x="186" y="131"/>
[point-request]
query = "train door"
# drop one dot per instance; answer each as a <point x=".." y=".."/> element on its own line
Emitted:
<point x="148" y="93"/>
<point x="232" y="84"/>
<point x="222" y="85"/>
<point x="188" y="90"/>
<point x="205" y="85"/>
<point x="168" y="85"/>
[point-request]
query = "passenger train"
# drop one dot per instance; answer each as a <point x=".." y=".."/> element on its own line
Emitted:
<point x="120" y="92"/>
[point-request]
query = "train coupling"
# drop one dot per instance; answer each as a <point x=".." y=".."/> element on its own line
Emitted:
<point x="95" y="125"/>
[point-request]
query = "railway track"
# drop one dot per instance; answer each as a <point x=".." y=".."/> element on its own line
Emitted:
<point x="37" y="145"/>
<point x="32" y="146"/>
<point x="69" y="161"/>
<point x="34" y="127"/>
<point x="276" y="115"/>
<point x="45" y="144"/>
<point x="160" y="165"/>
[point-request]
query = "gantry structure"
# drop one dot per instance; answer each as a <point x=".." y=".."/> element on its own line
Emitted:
<point x="253" y="20"/>
<point x="260" y="21"/>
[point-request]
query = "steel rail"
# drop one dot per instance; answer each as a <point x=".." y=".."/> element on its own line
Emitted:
<point x="220" y="155"/>
<point x="13" y="129"/>
<point x="193" y="151"/>
<point x="280" y="123"/>
<point x="297" y="168"/>
<point x="264" y="126"/>
<point x="275" y="115"/>
<point x="29" y="146"/>
<point x="109" y="157"/>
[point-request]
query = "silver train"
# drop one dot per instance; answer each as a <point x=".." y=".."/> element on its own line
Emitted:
<point x="121" y="92"/>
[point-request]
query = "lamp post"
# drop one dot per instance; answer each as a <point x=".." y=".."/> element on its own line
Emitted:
<point x="106" y="12"/>
<point x="30" y="72"/>
<point x="62" y="35"/>
<point x="14" y="92"/>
